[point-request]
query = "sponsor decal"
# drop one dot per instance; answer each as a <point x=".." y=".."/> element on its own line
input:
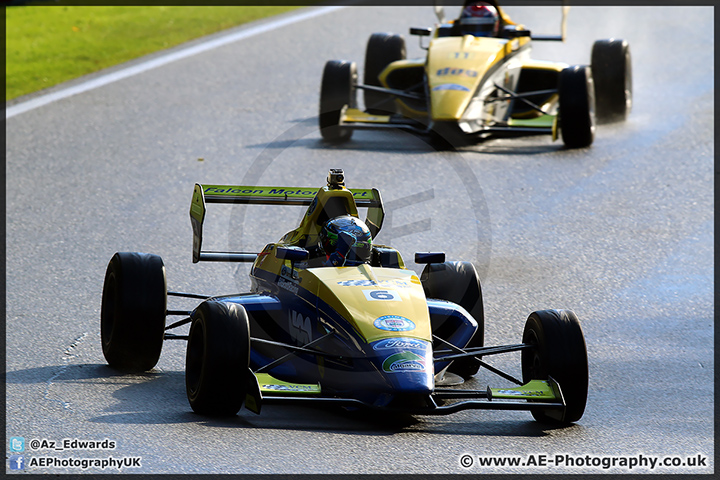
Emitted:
<point x="234" y="190"/>
<point x="382" y="295"/>
<point x="400" y="343"/>
<point x="299" y="328"/>
<point x="290" y="388"/>
<point x="273" y="191"/>
<point x="289" y="286"/>
<point x="290" y="274"/>
<point x="361" y="193"/>
<point x="394" y="323"/>
<point x="286" y="192"/>
<point x="373" y="283"/>
<point x="312" y="206"/>
<point x="457" y="71"/>
<point x="286" y="272"/>
<point x="451" y="86"/>
<point x="404" y="362"/>
<point x="521" y="393"/>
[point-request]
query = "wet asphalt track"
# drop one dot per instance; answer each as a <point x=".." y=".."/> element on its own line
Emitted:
<point x="622" y="233"/>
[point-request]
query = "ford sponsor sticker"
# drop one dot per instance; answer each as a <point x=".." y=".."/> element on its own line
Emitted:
<point x="400" y="343"/>
<point x="394" y="323"/>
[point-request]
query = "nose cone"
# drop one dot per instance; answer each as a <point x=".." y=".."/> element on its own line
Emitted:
<point x="449" y="101"/>
<point x="456" y="66"/>
<point x="405" y="364"/>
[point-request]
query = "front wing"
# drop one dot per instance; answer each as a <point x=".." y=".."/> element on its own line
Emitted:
<point x="535" y="395"/>
<point x="356" y="119"/>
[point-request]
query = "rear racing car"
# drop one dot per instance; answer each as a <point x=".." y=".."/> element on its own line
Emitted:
<point x="477" y="80"/>
<point x="332" y="317"/>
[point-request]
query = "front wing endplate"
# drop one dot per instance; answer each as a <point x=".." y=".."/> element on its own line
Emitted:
<point x="533" y="390"/>
<point x="354" y="115"/>
<point x="270" y="385"/>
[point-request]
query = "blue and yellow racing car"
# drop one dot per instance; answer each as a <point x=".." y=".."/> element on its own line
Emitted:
<point x="476" y="81"/>
<point x="332" y="317"/>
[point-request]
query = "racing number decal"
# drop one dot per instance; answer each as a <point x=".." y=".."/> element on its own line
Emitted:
<point x="386" y="295"/>
<point x="461" y="55"/>
<point x="299" y="328"/>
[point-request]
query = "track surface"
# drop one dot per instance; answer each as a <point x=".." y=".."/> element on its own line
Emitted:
<point x="622" y="233"/>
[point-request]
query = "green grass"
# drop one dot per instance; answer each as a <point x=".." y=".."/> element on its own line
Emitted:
<point x="50" y="44"/>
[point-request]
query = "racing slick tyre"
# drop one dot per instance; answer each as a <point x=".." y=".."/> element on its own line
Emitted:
<point x="337" y="92"/>
<point x="217" y="359"/>
<point x="458" y="282"/>
<point x="382" y="50"/>
<point x="559" y="353"/>
<point x="577" y="106"/>
<point x="132" y="314"/>
<point x="612" y="73"/>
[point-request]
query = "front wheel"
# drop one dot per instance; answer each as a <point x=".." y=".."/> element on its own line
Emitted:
<point x="612" y="72"/>
<point x="458" y="282"/>
<point x="217" y="359"/>
<point x="132" y="315"/>
<point x="382" y="50"/>
<point x="559" y="352"/>
<point x="337" y="92"/>
<point x="577" y="106"/>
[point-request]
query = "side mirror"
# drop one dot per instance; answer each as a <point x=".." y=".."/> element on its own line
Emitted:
<point x="511" y="31"/>
<point x="429" y="257"/>
<point x="421" y="31"/>
<point x="294" y="254"/>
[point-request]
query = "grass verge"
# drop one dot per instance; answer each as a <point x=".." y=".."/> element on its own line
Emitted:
<point x="50" y="44"/>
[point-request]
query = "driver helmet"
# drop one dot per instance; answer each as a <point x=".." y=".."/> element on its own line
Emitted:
<point x="332" y="243"/>
<point x="479" y="19"/>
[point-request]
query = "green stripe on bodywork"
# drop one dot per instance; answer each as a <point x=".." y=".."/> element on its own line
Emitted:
<point x="272" y="386"/>
<point x="533" y="390"/>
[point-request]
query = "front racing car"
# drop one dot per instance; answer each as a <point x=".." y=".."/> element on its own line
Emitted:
<point x="365" y="333"/>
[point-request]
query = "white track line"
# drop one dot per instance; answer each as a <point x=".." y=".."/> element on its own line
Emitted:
<point x="164" y="60"/>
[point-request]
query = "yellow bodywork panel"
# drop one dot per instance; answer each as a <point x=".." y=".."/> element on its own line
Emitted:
<point x="456" y="67"/>
<point x="378" y="302"/>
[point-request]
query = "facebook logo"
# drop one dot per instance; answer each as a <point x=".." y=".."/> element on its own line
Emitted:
<point x="17" y="462"/>
<point x="17" y="444"/>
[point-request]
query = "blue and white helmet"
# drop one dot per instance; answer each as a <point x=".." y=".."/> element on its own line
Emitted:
<point x="333" y="237"/>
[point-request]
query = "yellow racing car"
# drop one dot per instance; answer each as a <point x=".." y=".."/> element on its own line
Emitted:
<point x="334" y="318"/>
<point x="477" y="81"/>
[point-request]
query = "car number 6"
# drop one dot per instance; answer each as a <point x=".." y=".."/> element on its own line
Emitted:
<point x="387" y="295"/>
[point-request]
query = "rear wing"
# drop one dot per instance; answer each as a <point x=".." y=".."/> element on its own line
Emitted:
<point x="563" y="27"/>
<point x="440" y="14"/>
<point x="252" y="195"/>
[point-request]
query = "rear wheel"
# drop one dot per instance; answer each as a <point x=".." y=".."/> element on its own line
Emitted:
<point x="612" y="72"/>
<point x="132" y="315"/>
<point x="577" y="106"/>
<point x="218" y="357"/>
<point x="458" y="282"/>
<point x="337" y="92"/>
<point x="559" y="353"/>
<point x="382" y="50"/>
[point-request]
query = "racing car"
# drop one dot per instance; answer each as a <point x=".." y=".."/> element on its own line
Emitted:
<point x="476" y="81"/>
<point x="334" y="318"/>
